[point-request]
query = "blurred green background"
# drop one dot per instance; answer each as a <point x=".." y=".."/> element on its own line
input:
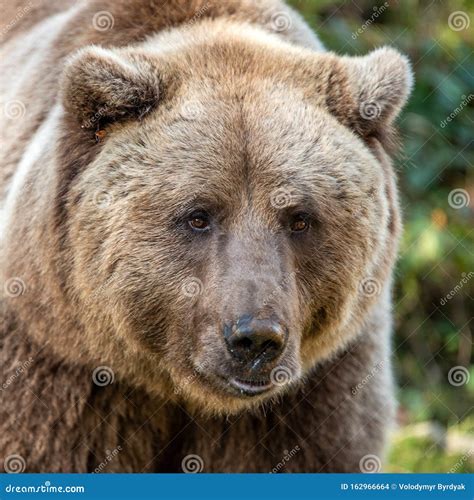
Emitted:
<point x="435" y="274"/>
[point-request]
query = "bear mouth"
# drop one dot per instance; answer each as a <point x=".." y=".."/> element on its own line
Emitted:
<point x="250" y="387"/>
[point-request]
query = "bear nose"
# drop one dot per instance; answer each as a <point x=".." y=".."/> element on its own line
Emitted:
<point x="250" y="338"/>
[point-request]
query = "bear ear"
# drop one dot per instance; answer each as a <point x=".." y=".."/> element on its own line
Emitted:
<point x="101" y="85"/>
<point x="380" y="84"/>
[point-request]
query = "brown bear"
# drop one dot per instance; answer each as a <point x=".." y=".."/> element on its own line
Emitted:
<point x="199" y="221"/>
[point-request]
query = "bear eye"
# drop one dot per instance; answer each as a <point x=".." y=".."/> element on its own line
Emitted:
<point x="299" y="223"/>
<point x="199" y="221"/>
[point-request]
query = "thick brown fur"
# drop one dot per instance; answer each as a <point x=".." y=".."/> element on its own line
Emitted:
<point x="123" y="131"/>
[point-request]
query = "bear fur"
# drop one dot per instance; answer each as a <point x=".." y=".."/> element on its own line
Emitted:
<point x="119" y="117"/>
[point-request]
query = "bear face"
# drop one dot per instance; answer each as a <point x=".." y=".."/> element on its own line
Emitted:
<point x="233" y="208"/>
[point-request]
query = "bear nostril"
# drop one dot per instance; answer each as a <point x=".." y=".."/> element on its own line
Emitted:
<point x="252" y="338"/>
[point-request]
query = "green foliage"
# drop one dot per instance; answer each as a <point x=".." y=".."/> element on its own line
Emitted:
<point x="435" y="277"/>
